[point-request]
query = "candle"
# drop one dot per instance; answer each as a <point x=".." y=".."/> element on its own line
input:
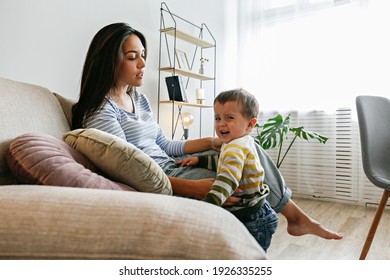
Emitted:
<point x="200" y="93"/>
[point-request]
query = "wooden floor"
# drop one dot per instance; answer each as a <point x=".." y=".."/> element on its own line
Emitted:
<point x="352" y="221"/>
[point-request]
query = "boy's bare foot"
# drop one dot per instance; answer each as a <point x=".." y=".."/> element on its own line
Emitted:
<point x="299" y="223"/>
<point x="310" y="226"/>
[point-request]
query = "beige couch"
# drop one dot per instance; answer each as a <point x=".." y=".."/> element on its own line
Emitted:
<point x="62" y="222"/>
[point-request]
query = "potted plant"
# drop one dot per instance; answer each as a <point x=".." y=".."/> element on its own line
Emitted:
<point x="275" y="130"/>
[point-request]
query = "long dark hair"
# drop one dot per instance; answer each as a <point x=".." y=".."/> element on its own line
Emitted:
<point x="100" y="68"/>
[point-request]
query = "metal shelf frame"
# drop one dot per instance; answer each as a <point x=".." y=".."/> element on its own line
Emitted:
<point x="172" y="68"/>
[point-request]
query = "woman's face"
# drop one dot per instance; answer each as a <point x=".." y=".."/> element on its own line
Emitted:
<point x="131" y="68"/>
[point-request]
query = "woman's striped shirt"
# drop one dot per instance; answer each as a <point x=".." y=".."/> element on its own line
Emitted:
<point x="139" y="128"/>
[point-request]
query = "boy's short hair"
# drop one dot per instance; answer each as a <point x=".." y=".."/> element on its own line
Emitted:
<point x="248" y="103"/>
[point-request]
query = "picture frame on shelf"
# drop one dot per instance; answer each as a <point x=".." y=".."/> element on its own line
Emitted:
<point x="176" y="90"/>
<point x="182" y="61"/>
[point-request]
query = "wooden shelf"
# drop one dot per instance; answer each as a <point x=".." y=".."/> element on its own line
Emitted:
<point x="186" y="104"/>
<point x="179" y="71"/>
<point x="187" y="37"/>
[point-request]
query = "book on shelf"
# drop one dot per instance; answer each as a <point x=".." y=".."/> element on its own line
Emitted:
<point x="176" y="90"/>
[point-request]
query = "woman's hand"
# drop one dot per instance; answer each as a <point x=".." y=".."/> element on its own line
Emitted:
<point x="188" y="161"/>
<point x="232" y="200"/>
<point x="203" y="144"/>
<point x="216" y="144"/>
<point x="206" y="184"/>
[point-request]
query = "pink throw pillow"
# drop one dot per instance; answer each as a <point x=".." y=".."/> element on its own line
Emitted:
<point x="42" y="159"/>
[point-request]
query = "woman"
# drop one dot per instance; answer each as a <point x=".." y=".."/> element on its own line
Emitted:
<point x="108" y="101"/>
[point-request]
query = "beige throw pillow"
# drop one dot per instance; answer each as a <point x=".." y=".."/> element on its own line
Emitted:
<point x="120" y="160"/>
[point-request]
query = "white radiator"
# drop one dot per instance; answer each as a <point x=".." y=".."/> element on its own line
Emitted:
<point x="331" y="171"/>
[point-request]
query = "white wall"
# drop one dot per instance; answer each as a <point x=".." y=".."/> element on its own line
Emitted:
<point x="45" y="41"/>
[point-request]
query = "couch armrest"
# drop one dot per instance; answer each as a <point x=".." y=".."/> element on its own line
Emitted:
<point x="45" y="222"/>
<point x="66" y="105"/>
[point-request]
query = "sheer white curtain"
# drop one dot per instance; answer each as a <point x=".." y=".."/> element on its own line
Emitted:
<point x="313" y="54"/>
<point x="311" y="59"/>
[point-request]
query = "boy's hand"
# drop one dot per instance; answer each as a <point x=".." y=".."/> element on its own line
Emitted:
<point x="188" y="161"/>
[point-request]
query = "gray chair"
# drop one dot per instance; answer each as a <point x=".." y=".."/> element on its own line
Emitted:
<point x="374" y="125"/>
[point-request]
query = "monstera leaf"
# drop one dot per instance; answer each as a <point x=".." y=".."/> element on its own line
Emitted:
<point x="275" y="130"/>
<point x="306" y="134"/>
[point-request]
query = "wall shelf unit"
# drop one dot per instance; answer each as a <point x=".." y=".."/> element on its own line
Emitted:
<point x="185" y="73"/>
<point x="197" y="43"/>
<point x="187" y="37"/>
<point x="179" y="103"/>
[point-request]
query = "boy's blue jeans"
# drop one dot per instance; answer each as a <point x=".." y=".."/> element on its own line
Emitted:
<point x="262" y="224"/>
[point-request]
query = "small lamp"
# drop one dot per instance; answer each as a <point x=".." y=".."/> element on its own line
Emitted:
<point x="186" y="120"/>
